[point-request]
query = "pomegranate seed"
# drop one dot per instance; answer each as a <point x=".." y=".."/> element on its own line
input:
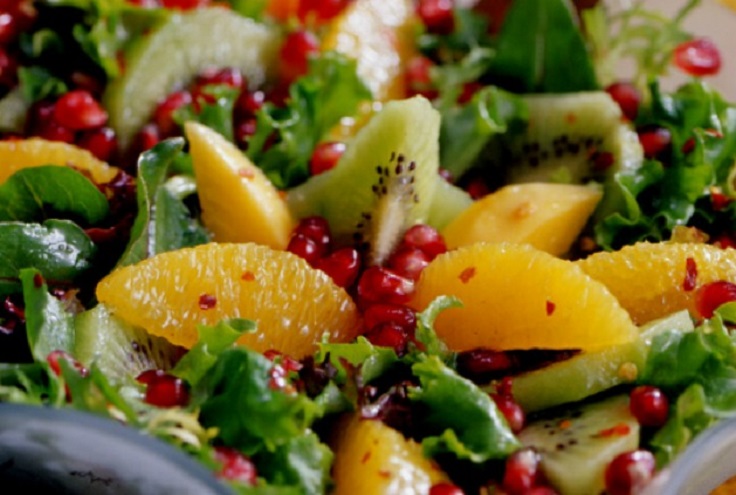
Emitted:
<point x="245" y="129"/>
<point x="477" y="188"/>
<point x="725" y="241"/>
<point x="235" y="466"/>
<point x="698" y="57"/>
<point x="249" y="102"/>
<point x="284" y="360"/>
<point x="163" y="116"/>
<point x="389" y="335"/>
<point x="446" y="175"/>
<point x="408" y="262"/>
<point x="52" y="131"/>
<point x="149" y="137"/>
<point x="522" y="471"/>
<point x="710" y="296"/>
<point x="164" y="390"/>
<point x="8" y="69"/>
<point x="147" y="376"/>
<point x="305" y="248"/>
<point x="78" y="110"/>
<point x="602" y="161"/>
<point x="649" y="406"/>
<point x="629" y="472"/>
<point x="469" y="90"/>
<point x="184" y="4"/>
<point x="15" y="18"/>
<point x="627" y="96"/>
<point x="445" y="488"/>
<point x="655" y="141"/>
<point x="418" y="77"/>
<point x="719" y="200"/>
<point x="320" y="10"/>
<point x="341" y="265"/>
<point x="512" y="411"/>
<point x="100" y="142"/>
<point x="54" y="359"/>
<point x="541" y="490"/>
<point x="82" y="80"/>
<point x="403" y="316"/>
<point x="317" y="229"/>
<point x="325" y="156"/>
<point x="298" y="47"/>
<point x="229" y="76"/>
<point x="380" y="285"/>
<point x="436" y="15"/>
<point x="479" y="362"/>
<point x="426" y="239"/>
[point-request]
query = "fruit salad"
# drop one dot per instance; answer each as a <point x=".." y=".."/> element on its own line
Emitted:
<point x="439" y="247"/>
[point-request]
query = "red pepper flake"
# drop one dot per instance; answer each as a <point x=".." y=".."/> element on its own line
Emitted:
<point x="550" y="308"/>
<point x="565" y="424"/>
<point x="384" y="474"/>
<point x="207" y="301"/>
<point x="467" y="274"/>
<point x="691" y="275"/>
<point x="37" y="281"/>
<point x="618" y="430"/>
<point x="246" y="173"/>
<point x="248" y="276"/>
<point x="366" y="456"/>
<point x="571" y="118"/>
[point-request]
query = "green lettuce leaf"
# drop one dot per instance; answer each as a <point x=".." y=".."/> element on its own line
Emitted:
<point x="303" y="462"/>
<point x="217" y="114"/>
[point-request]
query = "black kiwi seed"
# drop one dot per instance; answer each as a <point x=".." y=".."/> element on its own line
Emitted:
<point x="379" y="169"/>
<point x="412" y="166"/>
<point x="399" y="170"/>
<point x="393" y="156"/>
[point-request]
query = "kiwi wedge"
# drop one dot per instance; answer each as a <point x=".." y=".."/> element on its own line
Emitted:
<point x="383" y="184"/>
<point x="176" y="51"/>
<point x="566" y="137"/>
<point x="591" y="372"/>
<point x="120" y="350"/>
<point x="577" y="444"/>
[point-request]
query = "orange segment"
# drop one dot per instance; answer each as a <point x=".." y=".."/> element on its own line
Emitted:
<point x="171" y="293"/>
<point x="34" y="152"/>
<point x="372" y="458"/>
<point x="649" y="279"/>
<point x="547" y="216"/>
<point x="378" y="35"/>
<point x="517" y="297"/>
<point x="239" y="203"/>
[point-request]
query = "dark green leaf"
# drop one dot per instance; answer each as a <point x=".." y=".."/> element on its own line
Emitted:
<point x="59" y="249"/>
<point x="303" y="462"/>
<point x="216" y="114"/>
<point x="373" y="361"/>
<point x="425" y="333"/>
<point x="51" y="191"/>
<point x="38" y="83"/>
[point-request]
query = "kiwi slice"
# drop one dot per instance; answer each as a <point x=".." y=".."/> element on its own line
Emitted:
<point x="592" y="372"/>
<point x="176" y="51"/>
<point x="577" y="444"/>
<point x="565" y="138"/>
<point x="383" y="184"/>
<point x="120" y="350"/>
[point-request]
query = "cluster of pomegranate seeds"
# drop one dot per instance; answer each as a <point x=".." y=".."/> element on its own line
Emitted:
<point x="284" y="366"/>
<point x="436" y="15"/>
<point x="628" y="98"/>
<point x="295" y="53"/>
<point x="445" y="488"/>
<point x="698" y="57"/>
<point x="649" y="405"/>
<point x="16" y="17"/>
<point x="710" y="296"/>
<point x="629" y="472"/>
<point x="325" y="156"/>
<point x="235" y="466"/>
<point x="164" y="390"/>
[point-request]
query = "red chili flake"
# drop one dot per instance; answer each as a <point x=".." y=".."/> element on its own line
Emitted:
<point x="691" y="275"/>
<point x="248" y="276"/>
<point x="246" y="173"/>
<point x="565" y="424"/>
<point x="207" y="301"/>
<point x="384" y="474"/>
<point x="37" y="281"/>
<point x="571" y="118"/>
<point x="550" y="308"/>
<point x="366" y="456"/>
<point x="620" y="429"/>
<point x="467" y="274"/>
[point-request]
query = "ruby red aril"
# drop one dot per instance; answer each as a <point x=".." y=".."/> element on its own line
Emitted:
<point x="235" y="466"/>
<point x="184" y="4"/>
<point x="426" y="239"/>
<point x="521" y="472"/>
<point x="8" y="69"/>
<point x="408" y="262"/>
<point x="380" y="285"/>
<point x="317" y="229"/>
<point x="477" y="188"/>
<point x="284" y="360"/>
<point x="53" y="131"/>
<point x="294" y="55"/>
<point x="325" y="156"/>
<point x="627" y="96"/>
<point x="244" y="130"/>
<point x="342" y="265"/>
<point x="228" y="76"/>
<point x="541" y="490"/>
<point x="100" y="142"/>
<point x="698" y="57"/>
<point x="479" y="362"/>
<point x="436" y="15"/>
<point x="629" y="472"/>
<point x="724" y="241"/>
<point x="163" y="116"/>
<point x="389" y="335"/>
<point x="511" y="410"/>
<point x="148" y="137"/>
<point x="403" y="316"/>
<point x="320" y="10"/>
<point x="649" y="405"/>
<point x="446" y="175"/>
<point x="445" y="488"/>
<point x="655" y="141"/>
<point x="712" y="295"/>
<point x="15" y="18"/>
<point x="418" y="78"/>
<point x="164" y="390"/>
<point x="305" y="248"/>
<point x="78" y="110"/>
<point x="249" y="102"/>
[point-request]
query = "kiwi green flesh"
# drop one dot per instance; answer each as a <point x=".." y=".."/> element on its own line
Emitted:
<point x="120" y="350"/>
<point x="176" y="51"/>
<point x="589" y="373"/>
<point x="576" y="445"/>
<point x="448" y="202"/>
<point x="383" y="184"/>
<point x="565" y="132"/>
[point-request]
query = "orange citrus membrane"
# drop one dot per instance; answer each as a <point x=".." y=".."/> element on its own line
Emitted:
<point x="239" y="203"/>
<point x="292" y="303"/>
<point x="517" y="297"/>
<point x="653" y="280"/>
<point x="35" y="152"/>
